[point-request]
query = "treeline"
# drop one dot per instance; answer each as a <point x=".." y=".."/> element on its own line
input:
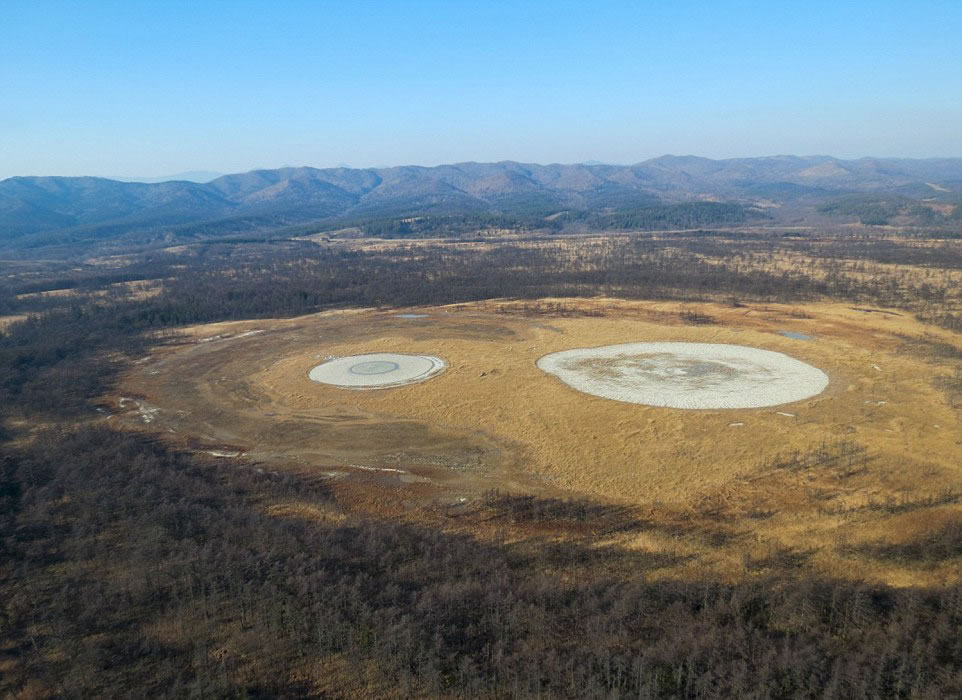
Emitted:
<point x="881" y="209"/>
<point x="546" y="217"/>
<point x="871" y="210"/>
<point x="130" y="568"/>
<point x="683" y="215"/>
<point x="936" y="255"/>
<point x="442" y="226"/>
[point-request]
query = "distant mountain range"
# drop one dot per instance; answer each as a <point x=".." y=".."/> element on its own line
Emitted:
<point x="189" y="176"/>
<point x="34" y="210"/>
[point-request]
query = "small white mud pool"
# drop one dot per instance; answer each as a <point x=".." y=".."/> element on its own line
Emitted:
<point x="377" y="370"/>
<point x="687" y="375"/>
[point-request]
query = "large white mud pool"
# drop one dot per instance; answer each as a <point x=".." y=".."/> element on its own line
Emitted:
<point x="687" y="375"/>
<point x="379" y="370"/>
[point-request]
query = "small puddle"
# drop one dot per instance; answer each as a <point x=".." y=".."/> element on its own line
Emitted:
<point x="795" y="334"/>
<point x="412" y="315"/>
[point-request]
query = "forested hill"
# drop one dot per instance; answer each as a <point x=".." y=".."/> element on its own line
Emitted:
<point x="39" y="210"/>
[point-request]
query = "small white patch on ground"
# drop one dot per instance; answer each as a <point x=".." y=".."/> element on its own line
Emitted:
<point x="214" y="338"/>
<point x="378" y="469"/>
<point x="146" y="412"/>
<point x="224" y="453"/>
<point x="379" y="370"/>
<point x="247" y="333"/>
<point x="687" y="375"/>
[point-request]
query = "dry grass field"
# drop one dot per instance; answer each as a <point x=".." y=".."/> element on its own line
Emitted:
<point x="842" y="483"/>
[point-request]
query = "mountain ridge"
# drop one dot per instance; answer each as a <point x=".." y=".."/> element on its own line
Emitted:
<point x="35" y="205"/>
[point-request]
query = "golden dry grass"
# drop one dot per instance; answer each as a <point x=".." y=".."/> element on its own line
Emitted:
<point x="13" y="318"/>
<point x="714" y="494"/>
<point x="304" y="511"/>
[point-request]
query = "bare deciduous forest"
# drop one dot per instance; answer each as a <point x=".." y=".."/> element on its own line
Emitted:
<point x="130" y="567"/>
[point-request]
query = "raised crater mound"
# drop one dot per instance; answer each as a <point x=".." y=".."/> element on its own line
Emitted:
<point x="376" y="370"/>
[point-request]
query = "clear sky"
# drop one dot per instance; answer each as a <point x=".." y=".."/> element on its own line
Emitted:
<point x="143" y="87"/>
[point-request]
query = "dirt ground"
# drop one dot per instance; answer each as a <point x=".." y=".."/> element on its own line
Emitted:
<point x="733" y="492"/>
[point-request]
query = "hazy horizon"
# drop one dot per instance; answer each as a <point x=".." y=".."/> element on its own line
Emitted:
<point x="115" y="90"/>
<point x="203" y="175"/>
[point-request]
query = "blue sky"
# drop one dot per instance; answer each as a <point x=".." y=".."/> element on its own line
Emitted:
<point x="137" y="87"/>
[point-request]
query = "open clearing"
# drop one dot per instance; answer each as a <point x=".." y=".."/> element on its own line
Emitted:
<point x="876" y="456"/>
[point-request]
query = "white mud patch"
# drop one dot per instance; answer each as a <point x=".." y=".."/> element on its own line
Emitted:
<point x="687" y="375"/>
<point x="224" y="453"/>
<point x="380" y="370"/>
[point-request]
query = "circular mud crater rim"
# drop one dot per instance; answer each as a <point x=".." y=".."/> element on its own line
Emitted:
<point x="382" y="370"/>
<point x="707" y="376"/>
